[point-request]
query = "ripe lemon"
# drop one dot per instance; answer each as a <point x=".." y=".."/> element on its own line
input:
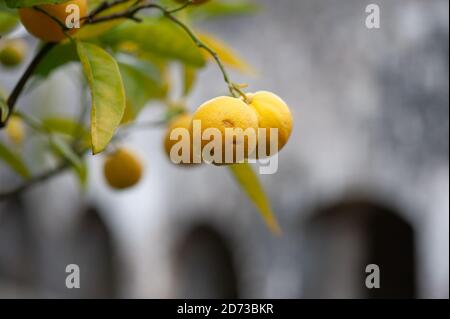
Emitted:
<point x="122" y="169"/>
<point x="13" y="52"/>
<point x="43" y="26"/>
<point x="15" y="130"/>
<point x="224" y="113"/>
<point x="182" y="121"/>
<point x="272" y="112"/>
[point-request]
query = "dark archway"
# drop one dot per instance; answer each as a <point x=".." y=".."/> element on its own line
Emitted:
<point x="341" y="240"/>
<point x="92" y="250"/>
<point x="16" y="246"/>
<point x="204" y="265"/>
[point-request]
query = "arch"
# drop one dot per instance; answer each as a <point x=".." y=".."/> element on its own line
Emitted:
<point x="204" y="265"/>
<point x="16" y="245"/>
<point x="92" y="249"/>
<point x="342" y="239"/>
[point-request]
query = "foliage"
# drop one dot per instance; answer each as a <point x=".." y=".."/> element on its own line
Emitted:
<point x="126" y="64"/>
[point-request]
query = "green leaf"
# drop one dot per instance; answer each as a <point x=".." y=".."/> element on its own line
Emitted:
<point x="214" y="9"/>
<point x="4" y="110"/>
<point x="158" y="36"/>
<point x="63" y="149"/>
<point x="64" y="126"/>
<point x="14" y="161"/>
<point x="107" y="91"/>
<point x="141" y="84"/>
<point x="30" y="3"/>
<point x="8" y="21"/>
<point x="226" y="54"/>
<point x="90" y="31"/>
<point x="58" y="56"/>
<point x="250" y="184"/>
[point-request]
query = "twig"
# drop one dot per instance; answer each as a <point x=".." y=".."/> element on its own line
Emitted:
<point x="131" y="14"/>
<point x="11" y="102"/>
<point x="93" y="18"/>
<point x="35" y="180"/>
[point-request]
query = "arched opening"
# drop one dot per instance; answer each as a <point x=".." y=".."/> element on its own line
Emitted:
<point x="204" y="265"/>
<point x="92" y="250"/>
<point x="340" y="241"/>
<point x="16" y="249"/>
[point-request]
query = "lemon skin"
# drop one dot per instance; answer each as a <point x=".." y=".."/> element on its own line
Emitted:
<point x="43" y="26"/>
<point x="122" y="169"/>
<point x="272" y="112"/>
<point x="223" y="113"/>
<point x="182" y="121"/>
<point x="13" y="52"/>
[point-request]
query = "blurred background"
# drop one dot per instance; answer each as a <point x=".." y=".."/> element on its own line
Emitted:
<point x="363" y="180"/>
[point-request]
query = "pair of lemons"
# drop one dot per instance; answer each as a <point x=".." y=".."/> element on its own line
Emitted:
<point x="259" y="112"/>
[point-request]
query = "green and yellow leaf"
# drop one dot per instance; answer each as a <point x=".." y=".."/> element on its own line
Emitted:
<point x="107" y="92"/>
<point x="250" y="184"/>
<point x="14" y="161"/>
<point x="226" y="54"/>
<point x="61" y="148"/>
<point x="160" y="37"/>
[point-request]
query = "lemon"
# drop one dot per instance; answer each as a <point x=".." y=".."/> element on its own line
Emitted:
<point x="182" y="121"/>
<point x="15" y="129"/>
<point x="43" y="26"/>
<point x="12" y="52"/>
<point x="272" y="112"/>
<point x="122" y="169"/>
<point x="227" y="115"/>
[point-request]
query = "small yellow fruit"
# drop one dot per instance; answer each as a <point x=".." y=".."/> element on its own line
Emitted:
<point x="182" y="121"/>
<point x="272" y="112"/>
<point x="122" y="169"/>
<point x="15" y="130"/>
<point x="224" y="113"/>
<point x="43" y="26"/>
<point x="13" y="52"/>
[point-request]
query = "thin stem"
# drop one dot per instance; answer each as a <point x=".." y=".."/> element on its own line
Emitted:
<point x="104" y="6"/>
<point x="184" y="6"/>
<point x="11" y="102"/>
<point x="93" y="19"/>
<point x="60" y="168"/>
<point x="130" y="14"/>
<point x="35" y="180"/>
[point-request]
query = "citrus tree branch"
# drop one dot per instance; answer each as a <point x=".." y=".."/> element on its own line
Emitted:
<point x="35" y="180"/>
<point x="13" y="97"/>
<point x="131" y="14"/>
<point x="94" y="18"/>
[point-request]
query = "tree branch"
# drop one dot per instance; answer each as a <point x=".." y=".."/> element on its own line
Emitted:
<point x="93" y="18"/>
<point x="11" y="102"/>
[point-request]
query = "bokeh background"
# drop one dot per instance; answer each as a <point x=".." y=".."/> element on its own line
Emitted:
<point x="364" y="178"/>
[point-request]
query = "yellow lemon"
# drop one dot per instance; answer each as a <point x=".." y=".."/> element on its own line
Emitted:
<point x="272" y="112"/>
<point x="44" y="26"/>
<point x="122" y="169"/>
<point x="15" y="129"/>
<point x="13" y="52"/>
<point x="229" y="116"/>
<point x="182" y="121"/>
